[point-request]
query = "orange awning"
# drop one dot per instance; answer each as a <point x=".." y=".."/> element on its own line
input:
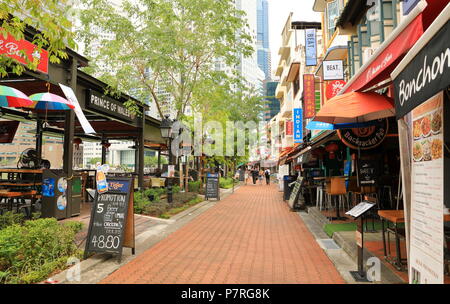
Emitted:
<point x="356" y="107"/>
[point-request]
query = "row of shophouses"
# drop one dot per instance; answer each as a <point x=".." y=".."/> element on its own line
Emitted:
<point x="370" y="56"/>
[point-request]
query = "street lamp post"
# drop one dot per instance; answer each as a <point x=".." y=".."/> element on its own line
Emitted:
<point x="166" y="133"/>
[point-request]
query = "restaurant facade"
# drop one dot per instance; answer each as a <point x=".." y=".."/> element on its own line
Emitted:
<point x="96" y="116"/>
<point x="393" y="155"/>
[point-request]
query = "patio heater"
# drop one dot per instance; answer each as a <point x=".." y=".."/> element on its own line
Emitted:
<point x="167" y="134"/>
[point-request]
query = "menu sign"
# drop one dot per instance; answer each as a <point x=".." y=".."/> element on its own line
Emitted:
<point x="212" y="186"/>
<point x="111" y="226"/>
<point x="295" y="194"/>
<point x="427" y="201"/>
<point x="367" y="172"/>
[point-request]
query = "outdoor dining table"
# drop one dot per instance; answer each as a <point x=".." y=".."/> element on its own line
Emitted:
<point x="9" y="197"/>
<point x="396" y="217"/>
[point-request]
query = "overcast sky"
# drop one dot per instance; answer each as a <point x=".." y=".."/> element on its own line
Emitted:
<point x="278" y="12"/>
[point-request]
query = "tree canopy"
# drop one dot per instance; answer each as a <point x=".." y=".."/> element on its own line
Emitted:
<point x="160" y="50"/>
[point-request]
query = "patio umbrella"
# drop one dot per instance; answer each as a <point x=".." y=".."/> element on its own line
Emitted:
<point x="50" y="102"/>
<point x="10" y="97"/>
<point x="356" y="107"/>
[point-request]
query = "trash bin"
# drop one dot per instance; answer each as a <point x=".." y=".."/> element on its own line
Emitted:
<point x="287" y="179"/>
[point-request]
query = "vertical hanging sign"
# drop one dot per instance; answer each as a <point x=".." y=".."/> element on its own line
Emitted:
<point x="298" y="125"/>
<point x="289" y="128"/>
<point x="311" y="47"/>
<point x="309" y="96"/>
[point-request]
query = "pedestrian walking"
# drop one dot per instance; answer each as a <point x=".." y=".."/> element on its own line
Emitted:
<point x="260" y="176"/>
<point x="254" y="175"/>
<point x="267" y="175"/>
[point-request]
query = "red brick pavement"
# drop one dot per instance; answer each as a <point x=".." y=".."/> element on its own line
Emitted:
<point x="248" y="237"/>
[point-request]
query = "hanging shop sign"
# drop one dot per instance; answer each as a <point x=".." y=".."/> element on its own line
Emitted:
<point x="427" y="193"/>
<point x="289" y="128"/>
<point x="309" y="96"/>
<point x="8" y="130"/>
<point x="98" y="101"/>
<point x="426" y="75"/>
<point x="365" y="138"/>
<point x="24" y="52"/>
<point x="333" y="88"/>
<point x="298" y="125"/>
<point x="333" y="69"/>
<point x="311" y="47"/>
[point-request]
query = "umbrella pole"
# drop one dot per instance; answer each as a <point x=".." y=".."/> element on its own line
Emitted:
<point x="39" y="124"/>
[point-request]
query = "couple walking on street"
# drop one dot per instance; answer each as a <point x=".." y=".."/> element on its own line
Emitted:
<point x="260" y="174"/>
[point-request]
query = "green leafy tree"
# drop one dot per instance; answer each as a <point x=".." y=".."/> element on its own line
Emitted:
<point x="163" y="45"/>
<point x="48" y="17"/>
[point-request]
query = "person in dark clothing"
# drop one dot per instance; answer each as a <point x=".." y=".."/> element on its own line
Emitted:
<point x="255" y="174"/>
<point x="267" y="175"/>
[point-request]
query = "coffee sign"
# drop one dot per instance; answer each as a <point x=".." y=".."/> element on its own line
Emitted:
<point x="426" y="75"/>
<point x="365" y="138"/>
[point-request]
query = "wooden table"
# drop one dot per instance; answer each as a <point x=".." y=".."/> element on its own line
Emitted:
<point x="12" y="170"/>
<point x="396" y="217"/>
<point x="11" y="195"/>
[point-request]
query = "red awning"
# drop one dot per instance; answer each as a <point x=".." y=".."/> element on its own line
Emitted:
<point x="380" y="67"/>
<point x="356" y="107"/>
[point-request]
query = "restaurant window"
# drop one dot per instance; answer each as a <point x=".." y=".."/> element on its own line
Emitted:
<point x="356" y="53"/>
<point x="332" y="17"/>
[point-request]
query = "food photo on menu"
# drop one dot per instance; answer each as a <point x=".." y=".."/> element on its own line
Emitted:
<point x="427" y="145"/>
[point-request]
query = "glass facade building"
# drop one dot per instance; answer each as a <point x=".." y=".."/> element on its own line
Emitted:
<point x="262" y="37"/>
<point x="272" y="104"/>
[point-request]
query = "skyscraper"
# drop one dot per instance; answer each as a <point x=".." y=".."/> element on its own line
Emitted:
<point x="262" y="38"/>
<point x="272" y="104"/>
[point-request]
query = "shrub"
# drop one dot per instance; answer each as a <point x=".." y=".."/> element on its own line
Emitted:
<point x="11" y="218"/>
<point x="225" y="183"/>
<point x="194" y="186"/>
<point x="30" y="252"/>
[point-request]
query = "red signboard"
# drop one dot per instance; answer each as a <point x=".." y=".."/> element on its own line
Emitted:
<point x="289" y="128"/>
<point x="333" y="88"/>
<point x="23" y="51"/>
<point x="309" y="98"/>
<point x="8" y="131"/>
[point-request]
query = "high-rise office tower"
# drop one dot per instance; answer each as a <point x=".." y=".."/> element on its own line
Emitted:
<point x="262" y="38"/>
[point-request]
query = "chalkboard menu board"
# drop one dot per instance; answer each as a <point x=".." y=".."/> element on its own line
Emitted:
<point x="367" y="172"/>
<point x="296" y="194"/>
<point x="112" y="220"/>
<point x="212" y="186"/>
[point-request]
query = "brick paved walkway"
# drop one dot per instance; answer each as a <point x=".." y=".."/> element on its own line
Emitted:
<point x="248" y="237"/>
